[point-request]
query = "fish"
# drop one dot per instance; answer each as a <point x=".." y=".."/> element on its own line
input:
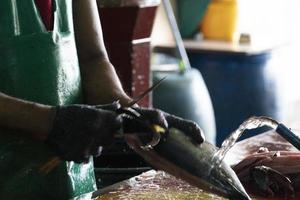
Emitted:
<point x="179" y="156"/>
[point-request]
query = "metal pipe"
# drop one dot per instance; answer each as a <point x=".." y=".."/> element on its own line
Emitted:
<point x="287" y="134"/>
<point x="176" y="34"/>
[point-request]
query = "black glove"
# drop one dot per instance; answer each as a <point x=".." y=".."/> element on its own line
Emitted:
<point x="165" y="120"/>
<point x="79" y="131"/>
<point x="111" y="106"/>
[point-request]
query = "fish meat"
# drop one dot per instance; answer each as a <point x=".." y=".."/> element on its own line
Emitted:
<point x="271" y="173"/>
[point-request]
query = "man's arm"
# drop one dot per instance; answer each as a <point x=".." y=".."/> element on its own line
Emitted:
<point x="99" y="79"/>
<point x="31" y="118"/>
<point x="100" y="82"/>
<point x="85" y="127"/>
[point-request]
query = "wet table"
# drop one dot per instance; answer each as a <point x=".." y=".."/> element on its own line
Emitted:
<point x="154" y="185"/>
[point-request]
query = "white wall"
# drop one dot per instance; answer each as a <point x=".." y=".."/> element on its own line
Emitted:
<point x="271" y="20"/>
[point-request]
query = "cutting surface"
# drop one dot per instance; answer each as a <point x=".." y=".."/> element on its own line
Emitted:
<point x="156" y="185"/>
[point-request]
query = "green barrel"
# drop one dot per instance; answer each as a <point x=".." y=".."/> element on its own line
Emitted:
<point x="39" y="66"/>
<point x="185" y="94"/>
<point x="190" y="14"/>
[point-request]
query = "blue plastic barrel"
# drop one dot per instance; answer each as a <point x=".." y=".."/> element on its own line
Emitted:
<point x="240" y="86"/>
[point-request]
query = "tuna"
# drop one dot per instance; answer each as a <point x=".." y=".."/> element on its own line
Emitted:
<point x="194" y="163"/>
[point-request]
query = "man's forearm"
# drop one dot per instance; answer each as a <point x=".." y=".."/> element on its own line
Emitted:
<point x="99" y="79"/>
<point x="30" y="118"/>
<point x="101" y="84"/>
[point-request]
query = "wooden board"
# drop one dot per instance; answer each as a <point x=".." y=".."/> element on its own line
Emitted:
<point x="154" y="185"/>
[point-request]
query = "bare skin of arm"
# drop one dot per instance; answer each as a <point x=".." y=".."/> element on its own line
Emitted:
<point x="33" y="119"/>
<point x="100" y="82"/>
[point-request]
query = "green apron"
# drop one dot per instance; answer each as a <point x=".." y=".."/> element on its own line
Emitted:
<point x="39" y="66"/>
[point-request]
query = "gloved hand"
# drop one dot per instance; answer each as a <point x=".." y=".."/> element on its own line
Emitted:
<point x="165" y="120"/>
<point x="80" y="131"/>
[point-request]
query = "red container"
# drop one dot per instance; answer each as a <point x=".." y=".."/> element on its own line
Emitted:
<point x="127" y="31"/>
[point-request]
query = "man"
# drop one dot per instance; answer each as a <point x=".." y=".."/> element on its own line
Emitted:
<point x="42" y="78"/>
